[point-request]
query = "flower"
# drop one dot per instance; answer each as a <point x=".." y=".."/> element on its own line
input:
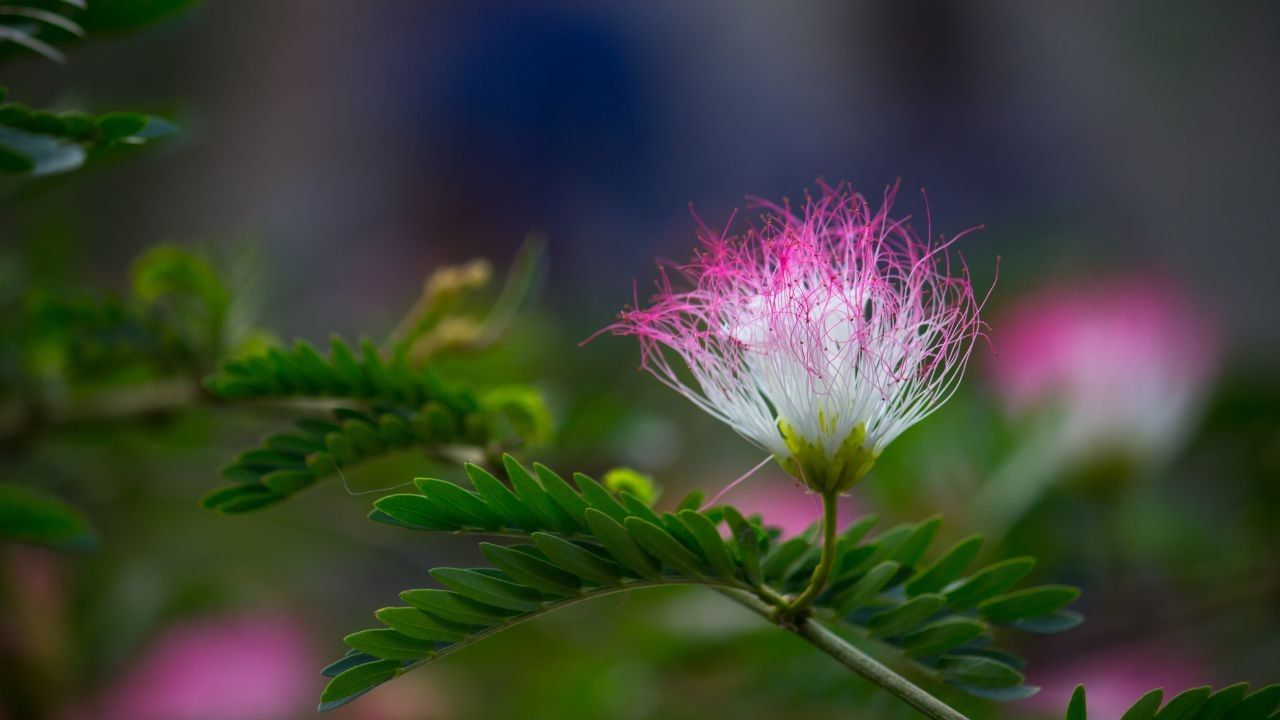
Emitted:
<point x="1124" y="361"/>
<point x="818" y="337"/>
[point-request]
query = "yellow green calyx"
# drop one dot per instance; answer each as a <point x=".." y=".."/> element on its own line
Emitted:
<point x="809" y="462"/>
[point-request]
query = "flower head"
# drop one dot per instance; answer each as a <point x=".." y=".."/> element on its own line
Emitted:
<point x="820" y="337"/>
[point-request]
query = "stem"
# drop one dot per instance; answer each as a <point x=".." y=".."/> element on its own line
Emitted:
<point x="826" y="561"/>
<point x="854" y="659"/>
<point x="871" y="669"/>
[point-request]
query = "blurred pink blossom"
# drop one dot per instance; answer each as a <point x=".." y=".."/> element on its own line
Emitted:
<point x="1125" y="361"/>
<point x="249" y="667"/>
<point x="1114" y="679"/>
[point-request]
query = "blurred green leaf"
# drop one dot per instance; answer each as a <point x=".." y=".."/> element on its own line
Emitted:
<point x="31" y="516"/>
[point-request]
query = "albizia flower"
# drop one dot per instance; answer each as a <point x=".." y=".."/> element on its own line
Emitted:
<point x="819" y="337"/>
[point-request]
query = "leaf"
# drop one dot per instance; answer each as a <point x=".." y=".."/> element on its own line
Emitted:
<point x="534" y="572"/>
<point x="978" y="671"/>
<point x="240" y="498"/>
<point x="1259" y="705"/>
<point x="780" y="562"/>
<point x="989" y="582"/>
<point x="1051" y="624"/>
<point x="1077" y="710"/>
<point x="913" y="546"/>
<point x="32" y="43"/>
<point x="535" y="498"/>
<point x="1221" y="702"/>
<point x="599" y="498"/>
<point x="940" y="636"/>
<point x="415" y="511"/>
<point x="905" y="616"/>
<point x="858" y="529"/>
<point x="709" y="542"/>
<point x="417" y="624"/>
<point x="945" y="569"/>
<point x="1145" y="708"/>
<point x="353" y="683"/>
<point x="1185" y="705"/>
<point x="501" y="500"/>
<point x="664" y="547"/>
<point x="37" y="154"/>
<point x="119" y="125"/>
<point x="635" y="508"/>
<point x="615" y="538"/>
<point x="1004" y="694"/>
<point x="389" y="644"/>
<point x="566" y="497"/>
<point x="577" y="560"/>
<point x="1028" y="603"/>
<point x="452" y="607"/>
<point x="458" y="505"/>
<point x="28" y="515"/>
<point x="866" y="588"/>
<point x="346" y="662"/>
<point x="489" y="590"/>
<point x="747" y="540"/>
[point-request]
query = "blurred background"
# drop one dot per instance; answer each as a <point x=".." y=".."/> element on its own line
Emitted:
<point x="1123" y="423"/>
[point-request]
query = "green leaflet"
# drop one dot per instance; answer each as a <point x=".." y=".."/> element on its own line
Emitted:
<point x="389" y="644"/>
<point x="356" y="681"/>
<point x="905" y="616"/>
<point x="418" y="624"/>
<point x="579" y="561"/>
<point x="452" y="607"/>
<point x="489" y="590"/>
<point x="989" y="582"/>
<point x="664" y="547"/>
<point x="615" y="538"/>
<point x="525" y="568"/>
<point x="941" y="636"/>
<point x="1028" y="603"/>
<point x="945" y="569"/>
<point x="978" y="671"/>
<point x="1145" y="708"/>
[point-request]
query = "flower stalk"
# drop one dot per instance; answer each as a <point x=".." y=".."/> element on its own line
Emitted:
<point x="826" y="561"/>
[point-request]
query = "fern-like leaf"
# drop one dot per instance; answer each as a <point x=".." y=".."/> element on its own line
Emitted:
<point x="385" y="406"/>
<point x="584" y="541"/>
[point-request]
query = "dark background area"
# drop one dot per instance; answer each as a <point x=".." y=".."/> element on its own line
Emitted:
<point x="361" y="145"/>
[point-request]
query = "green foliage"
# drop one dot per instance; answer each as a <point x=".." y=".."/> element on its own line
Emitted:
<point x="386" y="406"/>
<point x="56" y="345"/>
<point x="38" y="142"/>
<point x="124" y="15"/>
<point x="39" y="26"/>
<point x="584" y="540"/>
<point x="1234" y="702"/>
<point x="27" y="515"/>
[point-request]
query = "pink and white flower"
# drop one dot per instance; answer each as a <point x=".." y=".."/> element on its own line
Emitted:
<point x="820" y="337"/>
